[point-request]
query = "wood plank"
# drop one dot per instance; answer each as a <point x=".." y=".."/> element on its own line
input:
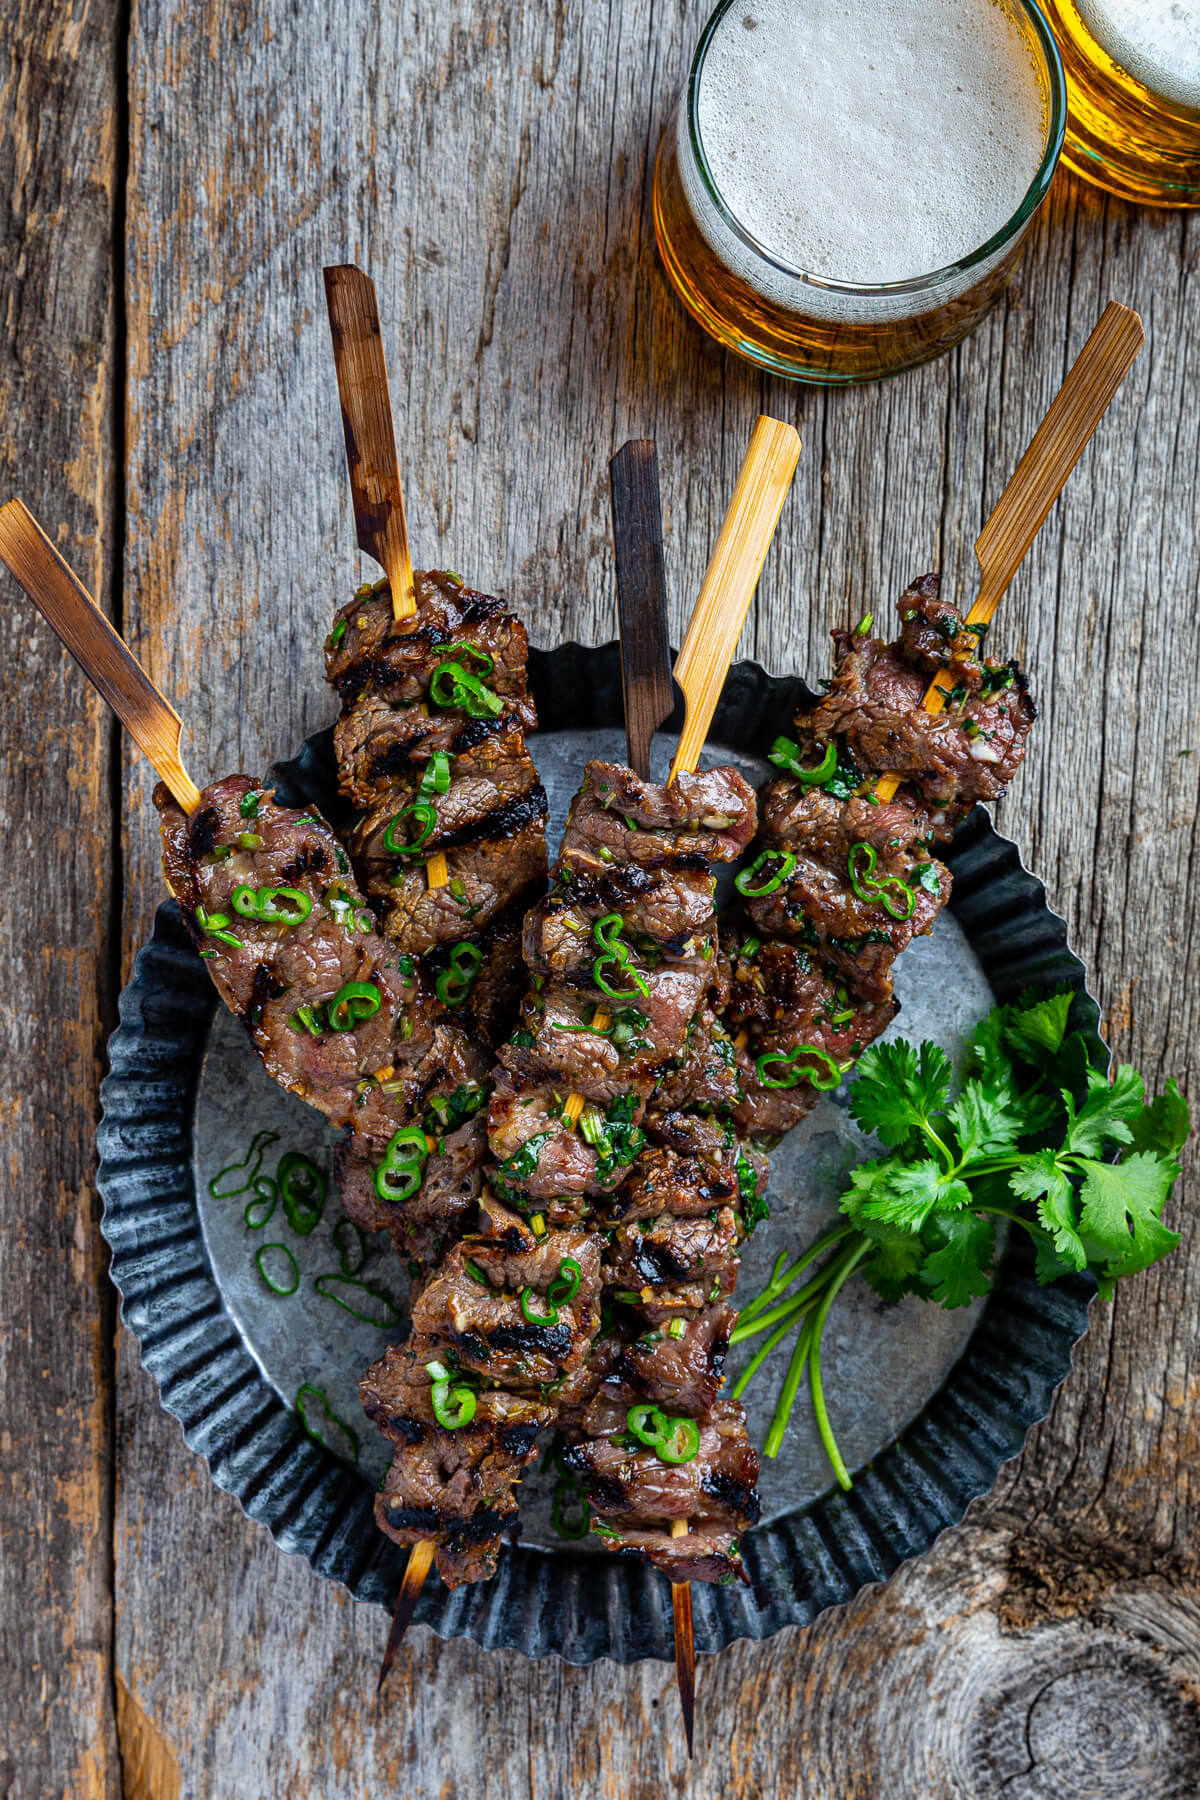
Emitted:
<point x="59" y="158"/>
<point x="492" y="171"/>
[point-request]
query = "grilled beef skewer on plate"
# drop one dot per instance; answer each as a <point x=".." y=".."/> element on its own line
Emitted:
<point x="840" y="881"/>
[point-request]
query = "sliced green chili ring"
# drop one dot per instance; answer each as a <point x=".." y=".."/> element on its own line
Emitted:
<point x="264" y="903"/>
<point x="486" y="662"/>
<point x="436" y="776"/>
<point x="464" y="690"/>
<point x="453" y="1406"/>
<point x="259" y="1210"/>
<point x="350" y="1242"/>
<point x="426" y="816"/>
<point x="399" y="1175"/>
<point x="267" y="1280"/>
<point x="568" y="1493"/>
<point x="785" y="754"/>
<point x="621" y="963"/>
<point x="744" y="883"/>
<point x="871" y="888"/>
<point x="454" y="984"/>
<point x="348" y="1449"/>
<point x="549" y="1318"/>
<point x="369" y="1304"/>
<point x="607" y="929"/>
<point x="673" y="1440"/>
<point x="824" y="1076"/>
<point x="356" y="1000"/>
<point x="250" y="804"/>
<point x="565" y="1286"/>
<point x="214" y="925"/>
<point x="250" y="1165"/>
<point x="303" y="1189"/>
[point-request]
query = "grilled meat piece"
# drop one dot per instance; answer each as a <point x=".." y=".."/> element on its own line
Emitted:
<point x="682" y="1374"/>
<point x="503" y="1313"/>
<point x="457" y="1486"/>
<point x="378" y="654"/>
<point x="282" y="975"/>
<point x="668" y="1255"/>
<point x="445" y="1205"/>
<point x="950" y="759"/>
<point x="634" y="1494"/>
<point x="707" y="1078"/>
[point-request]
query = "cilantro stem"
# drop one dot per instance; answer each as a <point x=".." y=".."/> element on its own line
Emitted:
<point x="761" y="1354"/>
<point x="817" y="1327"/>
<point x="781" y="1281"/>
<point x="789" y="1390"/>
<point x="945" y="1149"/>
<point x="1016" y="1218"/>
<point x="791" y="1308"/>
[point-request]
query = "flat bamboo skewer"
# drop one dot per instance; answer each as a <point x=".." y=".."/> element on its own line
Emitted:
<point x="420" y="1558"/>
<point x="104" y="657"/>
<point x="1040" y="476"/>
<point x="376" y="491"/>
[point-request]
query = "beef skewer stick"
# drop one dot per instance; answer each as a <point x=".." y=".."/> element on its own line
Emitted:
<point x="1056" y="446"/>
<point x="369" y="428"/>
<point x="646" y="684"/>
<point x="104" y="657"/>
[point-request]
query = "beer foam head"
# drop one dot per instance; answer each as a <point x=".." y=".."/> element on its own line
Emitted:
<point x="871" y="141"/>
<point x="1155" y="41"/>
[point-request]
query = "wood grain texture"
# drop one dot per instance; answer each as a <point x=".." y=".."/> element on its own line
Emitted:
<point x="58" y="171"/>
<point x="491" y="169"/>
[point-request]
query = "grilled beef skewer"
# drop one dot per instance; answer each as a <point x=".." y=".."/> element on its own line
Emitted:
<point x="852" y="880"/>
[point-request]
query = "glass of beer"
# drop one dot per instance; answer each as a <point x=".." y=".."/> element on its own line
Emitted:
<point x="844" y="185"/>
<point x="1133" y="87"/>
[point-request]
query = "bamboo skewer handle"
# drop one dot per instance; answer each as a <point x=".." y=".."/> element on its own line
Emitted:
<point x="730" y="580"/>
<point x="1042" y="473"/>
<point x="370" y="431"/>
<point x="105" y="659"/>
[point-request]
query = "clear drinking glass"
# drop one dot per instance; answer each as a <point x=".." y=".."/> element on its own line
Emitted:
<point x="797" y="321"/>
<point x="1133" y="85"/>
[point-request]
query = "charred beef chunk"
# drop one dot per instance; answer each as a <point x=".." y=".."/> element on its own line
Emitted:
<point x="634" y="1494"/>
<point x="522" y="1317"/>
<point x="434" y="715"/>
<point x="295" y="953"/>
<point x="949" y="760"/>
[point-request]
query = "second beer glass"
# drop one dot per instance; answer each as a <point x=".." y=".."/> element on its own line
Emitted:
<point x="844" y="185"/>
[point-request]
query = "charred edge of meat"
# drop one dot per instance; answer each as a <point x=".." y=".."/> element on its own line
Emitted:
<point x="454" y="1530"/>
<point x="202" y="832"/>
<point x="265" y="986"/>
<point x="517" y="1440"/>
<point x="740" y="1498"/>
<point x="552" y="1339"/>
<point x="502" y="822"/>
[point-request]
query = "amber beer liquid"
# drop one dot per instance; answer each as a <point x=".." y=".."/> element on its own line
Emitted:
<point x="1133" y="82"/>
<point x="844" y="185"/>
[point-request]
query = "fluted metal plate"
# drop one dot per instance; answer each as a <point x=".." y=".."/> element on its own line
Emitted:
<point x="182" y="1298"/>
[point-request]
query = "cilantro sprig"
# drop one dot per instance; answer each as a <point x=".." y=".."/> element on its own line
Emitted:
<point x="1035" y="1135"/>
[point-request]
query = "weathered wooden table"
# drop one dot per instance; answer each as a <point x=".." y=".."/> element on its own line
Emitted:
<point x="173" y="184"/>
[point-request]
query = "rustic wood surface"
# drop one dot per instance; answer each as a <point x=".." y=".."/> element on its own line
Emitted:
<point x="491" y="167"/>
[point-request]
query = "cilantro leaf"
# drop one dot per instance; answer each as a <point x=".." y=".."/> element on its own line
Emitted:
<point x="959" y="1270"/>
<point x="1048" y="1265"/>
<point x="897" y="1088"/>
<point x="1107" y="1114"/>
<point x="1166" y="1123"/>
<point x="1120" y="1214"/>
<point x="988" y="1118"/>
<point x="1036" y="1032"/>
<point x="892" y="1270"/>
<point x="910" y="1192"/>
<point x="1043" y="1181"/>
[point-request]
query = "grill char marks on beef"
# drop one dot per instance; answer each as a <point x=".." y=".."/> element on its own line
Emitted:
<point x="281" y="976"/>
<point x="813" y="966"/>
<point x="624" y="958"/>
<point x="438" y="753"/>
<point x="410" y="736"/>
<point x="458" y="1486"/>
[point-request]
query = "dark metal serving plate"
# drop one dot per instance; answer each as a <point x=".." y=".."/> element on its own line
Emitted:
<point x="927" y="1405"/>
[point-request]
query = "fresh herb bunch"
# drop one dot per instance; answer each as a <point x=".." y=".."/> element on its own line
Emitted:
<point x="1036" y="1135"/>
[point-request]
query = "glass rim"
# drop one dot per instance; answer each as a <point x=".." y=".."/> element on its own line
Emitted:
<point x="913" y="284"/>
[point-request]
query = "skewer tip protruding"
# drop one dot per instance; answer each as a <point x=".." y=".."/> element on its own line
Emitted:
<point x="419" y="1559"/>
<point x="685" y="1655"/>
